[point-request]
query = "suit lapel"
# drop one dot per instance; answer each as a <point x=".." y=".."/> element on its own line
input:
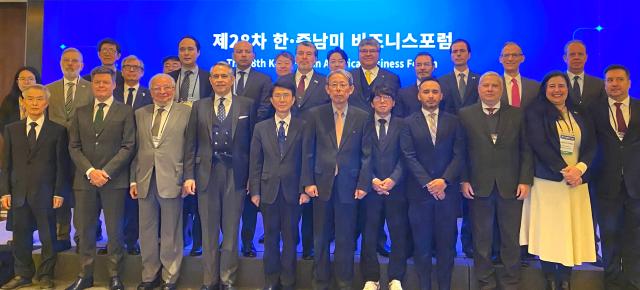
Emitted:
<point x="207" y="106"/>
<point x="313" y="85"/>
<point x="330" y="122"/>
<point x="503" y="119"/>
<point x="634" y="122"/>
<point x="482" y="118"/>
<point x="294" y="129"/>
<point x="107" y="118"/>
<point x="348" y="123"/>
<point x="272" y="136"/>
<point x="235" y="112"/>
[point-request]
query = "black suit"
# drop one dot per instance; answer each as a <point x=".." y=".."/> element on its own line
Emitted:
<point x="451" y="96"/>
<point x="335" y="204"/>
<point x="592" y="91"/>
<point x="221" y="182"/>
<point x="361" y="96"/>
<point x="142" y="97"/>
<point x="109" y="148"/>
<point x="617" y="190"/>
<point x="494" y="172"/>
<point x="386" y="162"/>
<point x="32" y="177"/>
<point x="275" y="177"/>
<point x="529" y="92"/>
<point x="407" y="101"/>
<point x="205" y="88"/>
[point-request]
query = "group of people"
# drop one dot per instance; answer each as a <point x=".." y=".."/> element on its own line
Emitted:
<point x="198" y="153"/>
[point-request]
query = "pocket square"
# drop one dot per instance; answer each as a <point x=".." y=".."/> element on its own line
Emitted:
<point x="242" y="117"/>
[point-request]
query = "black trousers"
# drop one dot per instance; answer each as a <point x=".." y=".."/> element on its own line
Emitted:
<point x="24" y="220"/>
<point x="249" y="220"/>
<point x="306" y="227"/>
<point x="191" y="226"/>
<point x="619" y="220"/>
<point x="131" y="221"/>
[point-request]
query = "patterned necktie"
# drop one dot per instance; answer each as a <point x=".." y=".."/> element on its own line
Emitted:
<point x="622" y="126"/>
<point x="281" y="138"/>
<point x="130" y="97"/>
<point x="184" y="87"/>
<point x="433" y="127"/>
<point x="368" y="76"/>
<point x="462" y="86"/>
<point x="155" y="128"/>
<point x="68" y="102"/>
<point x="382" y="134"/>
<point x="301" y="88"/>
<point x="515" y="93"/>
<point x="222" y="113"/>
<point x="240" y="86"/>
<point x="31" y="137"/>
<point x="99" y="119"/>
<point x="576" y="89"/>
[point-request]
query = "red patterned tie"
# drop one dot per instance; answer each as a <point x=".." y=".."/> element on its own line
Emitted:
<point x="622" y="126"/>
<point x="515" y="93"/>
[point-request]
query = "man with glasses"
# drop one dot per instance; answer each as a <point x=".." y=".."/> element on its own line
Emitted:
<point x="109" y="53"/>
<point x="518" y="91"/>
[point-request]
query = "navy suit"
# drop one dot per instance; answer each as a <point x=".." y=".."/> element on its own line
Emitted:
<point x="386" y="162"/>
<point x="616" y="181"/>
<point x="335" y="204"/>
<point x="407" y="101"/>
<point x="142" y="98"/>
<point x="361" y="96"/>
<point x="592" y="91"/>
<point x="314" y="95"/>
<point x="453" y="102"/>
<point x="431" y="218"/>
<point x="275" y="177"/>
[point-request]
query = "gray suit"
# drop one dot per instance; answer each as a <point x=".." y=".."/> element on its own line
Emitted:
<point x="109" y="148"/>
<point x="82" y="97"/>
<point x="528" y="92"/>
<point x="157" y="171"/>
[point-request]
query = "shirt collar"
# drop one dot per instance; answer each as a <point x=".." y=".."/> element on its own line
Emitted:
<point x="226" y="97"/>
<point x="507" y="79"/>
<point x="485" y="106"/>
<point x="465" y="72"/>
<point x="308" y="75"/>
<point x="109" y="101"/>
<point x="625" y="102"/>
<point x="572" y="75"/>
<point x="346" y="107"/>
<point x="377" y="117"/>
<point x="184" y="70"/>
<point x="66" y="81"/>
<point x="166" y="108"/>
<point x="286" y="120"/>
<point x="126" y="87"/>
<point x="40" y="121"/>
<point x="246" y="71"/>
<point x="374" y="71"/>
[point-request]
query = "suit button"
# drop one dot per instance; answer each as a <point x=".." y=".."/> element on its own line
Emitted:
<point x="215" y="143"/>
<point x="216" y="132"/>
<point x="97" y="143"/>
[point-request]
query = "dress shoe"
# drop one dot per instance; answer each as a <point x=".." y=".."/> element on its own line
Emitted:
<point x="249" y="251"/>
<point x="102" y="251"/>
<point x="270" y="288"/>
<point x="62" y="245"/>
<point x="133" y="250"/>
<point x="211" y="287"/>
<point x="150" y="285"/>
<point x="169" y="286"/>
<point x="81" y="283"/>
<point x="17" y="282"/>
<point x="383" y="250"/>
<point x="307" y="255"/>
<point x="115" y="283"/>
<point x="45" y="283"/>
<point x="196" y="251"/>
<point x="227" y="287"/>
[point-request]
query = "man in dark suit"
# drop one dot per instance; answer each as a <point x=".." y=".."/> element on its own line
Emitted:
<point x="253" y="85"/>
<point x="585" y="89"/>
<point x="370" y="75"/>
<point x="460" y="89"/>
<point x="387" y="199"/>
<point x="432" y="143"/>
<point x="274" y="183"/>
<point x="34" y="181"/>
<point x="518" y="91"/>
<point x="497" y="176"/>
<point x="310" y="93"/>
<point x="617" y="179"/>
<point x="408" y="102"/>
<point x="192" y="84"/>
<point x="101" y="144"/>
<point x="337" y="174"/>
<point x="217" y="168"/>
<point x="109" y="53"/>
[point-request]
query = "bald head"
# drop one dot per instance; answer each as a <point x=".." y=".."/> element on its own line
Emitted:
<point x="243" y="54"/>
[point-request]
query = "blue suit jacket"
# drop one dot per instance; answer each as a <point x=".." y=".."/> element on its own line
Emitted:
<point x="386" y="156"/>
<point x="143" y="97"/>
<point x="451" y="97"/>
<point x="314" y="95"/>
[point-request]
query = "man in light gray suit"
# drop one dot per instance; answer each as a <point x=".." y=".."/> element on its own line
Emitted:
<point x="517" y="90"/>
<point x="156" y="179"/>
<point x="67" y="94"/>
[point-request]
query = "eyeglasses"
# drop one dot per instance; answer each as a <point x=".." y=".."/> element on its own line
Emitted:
<point x="164" y="88"/>
<point x="382" y="98"/>
<point x="108" y="50"/>
<point x="29" y="79"/>
<point x="132" y="67"/>
<point x="365" y="51"/>
<point x="513" y="55"/>
<point x="339" y="85"/>
<point x="282" y="96"/>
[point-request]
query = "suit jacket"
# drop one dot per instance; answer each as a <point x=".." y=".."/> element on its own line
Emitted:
<point x="451" y="97"/>
<point x="35" y="176"/>
<point x="407" y="101"/>
<point x="111" y="149"/>
<point x="271" y="174"/>
<point x="426" y="161"/>
<point x="352" y="156"/>
<point x="257" y="88"/>
<point x="83" y="97"/>
<point x="361" y="97"/>
<point x="542" y="134"/>
<point x="203" y="78"/>
<point x="166" y="159"/>
<point x="198" y="159"/>
<point x="506" y="163"/>
<point x="143" y="97"/>
<point x="386" y="155"/>
<point x="592" y="91"/>
<point x="615" y="157"/>
<point x="314" y="95"/>
<point x="529" y="91"/>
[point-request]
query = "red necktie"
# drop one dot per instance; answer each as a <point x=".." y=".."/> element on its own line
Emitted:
<point x="300" y="89"/>
<point x="515" y="93"/>
<point x="622" y="126"/>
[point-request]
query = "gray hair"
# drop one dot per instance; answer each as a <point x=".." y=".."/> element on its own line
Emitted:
<point x="345" y="73"/>
<point x="162" y="75"/>
<point x="222" y="63"/>
<point x="578" y="41"/>
<point x="71" y="49"/>
<point x="132" y="57"/>
<point x="369" y="41"/>
<point x="39" y="87"/>
<point x="491" y="73"/>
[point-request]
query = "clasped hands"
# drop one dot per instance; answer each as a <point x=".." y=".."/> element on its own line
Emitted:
<point x="382" y="187"/>
<point x="98" y="177"/>
<point x="572" y="175"/>
<point x="436" y="188"/>
<point x="312" y="191"/>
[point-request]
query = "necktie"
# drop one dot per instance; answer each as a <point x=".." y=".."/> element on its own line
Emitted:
<point x="515" y="93"/>
<point x="240" y="86"/>
<point x="367" y="75"/>
<point x="576" y="89"/>
<point x="281" y="138"/>
<point x="339" y="126"/>
<point x="184" y="87"/>
<point x="155" y="128"/>
<point x="462" y="86"/>
<point x="622" y="126"/>
<point x="301" y="88"/>
<point x="382" y="134"/>
<point x="31" y="136"/>
<point x="68" y="102"/>
<point x="491" y="111"/>
<point x="130" y="97"/>
<point x="433" y="126"/>
<point x="99" y="119"/>
<point x="222" y="113"/>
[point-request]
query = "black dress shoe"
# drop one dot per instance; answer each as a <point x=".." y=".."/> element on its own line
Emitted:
<point x="307" y="255"/>
<point x="81" y="283"/>
<point x="383" y="250"/>
<point x="196" y="251"/>
<point x="249" y="251"/>
<point x="102" y="251"/>
<point x="115" y="283"/>
<point x="227" y="287"/>
<point x="169" y="286"/>
<point x="133" y="250"/>
<point x="45" y="283"/>
<point x="17" y="282"/>
<point x="62" y="245"/>
<point x="211" y="287"/>
<point x="150" y="285"/>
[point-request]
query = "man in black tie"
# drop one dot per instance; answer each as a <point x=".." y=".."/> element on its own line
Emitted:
<point x="585" y="88"/>
<point x="617" y="180"/>
<point x="33" y="182"/>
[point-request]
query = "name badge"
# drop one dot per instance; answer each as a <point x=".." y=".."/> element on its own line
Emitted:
<point x="494" y="137"/>
<point x="567" y="143"/>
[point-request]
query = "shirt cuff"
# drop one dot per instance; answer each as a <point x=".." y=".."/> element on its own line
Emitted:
<point x="132" y="184"/>
<point x="60" y="197"/>
<point x="88" y="172"/>
<point x="582" y="167"/>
